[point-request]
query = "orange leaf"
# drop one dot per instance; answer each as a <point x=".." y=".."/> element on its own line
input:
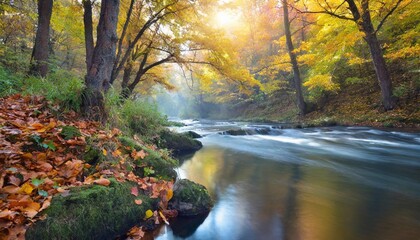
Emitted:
<point x="135" y="191"/>
<point x="41" y="157"/>
<point x="46" y="203"/>
<point x="116" y="153"/>
<point x="10" y="189"/>
<point x="169" y="194"/>
<point x="27" y="155"/>
<point x="102" y="181"/>
<point x="138" y="201"/>
<point x="29" y="212"/>
<point x="7" y="214"/>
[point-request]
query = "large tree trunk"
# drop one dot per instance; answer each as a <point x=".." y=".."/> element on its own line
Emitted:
<point x="87" y="20"/>
<point x="290" y="48"/>
<point x="98" y="76"/>
<point x="381" y="69"/>
<point x="364" y="23"/>
<point x="39" y="60"/>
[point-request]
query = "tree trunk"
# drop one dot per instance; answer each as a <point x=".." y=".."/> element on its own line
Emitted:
<point x="87" y="20"/>
<point x="39" y="60"/>
<point x="290" y="48"/>
<point x="381" y="69"/>
<point x="125" y="92"/>
<point x="98" y="76"/>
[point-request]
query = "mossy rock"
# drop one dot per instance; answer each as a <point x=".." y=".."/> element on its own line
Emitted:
<point x="178" y="143"/>
<point x="190" y="198"/>
<point x="163" y="167"/>
<point x="92" y="212"/>
<point x="192" y="134"/>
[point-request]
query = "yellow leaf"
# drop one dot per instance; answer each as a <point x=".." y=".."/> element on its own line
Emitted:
<point x="26" y="188"/>
<point x="104" y="152"/>
<point x="169" y="194"/>
<point x="149" y="214"/>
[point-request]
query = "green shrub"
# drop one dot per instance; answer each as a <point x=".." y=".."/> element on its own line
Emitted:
<point x="9" y="83"/>
<point x="135" y="116"/>
<point x="61" y="87"/>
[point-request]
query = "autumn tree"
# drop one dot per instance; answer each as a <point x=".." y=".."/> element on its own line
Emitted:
<point x="361" y="14"/>
<point x="39" y="59"/>
<point x="98" y="75"/>
<point x="293" y="59"/>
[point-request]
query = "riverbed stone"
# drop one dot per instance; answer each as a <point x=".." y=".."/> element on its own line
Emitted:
<point x="190" y="198"/>
<point x="92" y="212"/>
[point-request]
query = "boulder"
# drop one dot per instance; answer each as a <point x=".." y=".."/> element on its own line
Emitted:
<point x="178" y="143"/>
<point x="91" y="212"/>
<point x="190" y="199"/>
<point x="192" y="134"/>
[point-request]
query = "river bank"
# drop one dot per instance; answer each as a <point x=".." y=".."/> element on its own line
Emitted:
<point x="65" y="177"/>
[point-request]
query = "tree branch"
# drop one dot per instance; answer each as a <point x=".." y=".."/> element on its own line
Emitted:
<point x="387" y="15"/>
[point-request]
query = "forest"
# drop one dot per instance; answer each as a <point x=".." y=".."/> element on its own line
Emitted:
<point x="88" y="89"/>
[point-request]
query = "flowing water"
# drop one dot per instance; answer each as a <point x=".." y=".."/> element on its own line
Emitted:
<point x="320" y="183"/>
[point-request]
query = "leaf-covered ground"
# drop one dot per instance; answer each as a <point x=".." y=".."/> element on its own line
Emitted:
<point x="41" y="156"/>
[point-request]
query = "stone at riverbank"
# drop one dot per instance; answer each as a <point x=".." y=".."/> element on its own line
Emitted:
<point x="190" y="198"/>
<point x="92" y="212"/>
<point x="178" y="143"/>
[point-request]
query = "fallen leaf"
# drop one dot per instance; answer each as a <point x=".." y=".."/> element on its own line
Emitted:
<point x="104" y="152"/>
<point x="135" y="191"/>
<point x="169" y="194"/>
<point x="14" y="180"/>
<point x="10" y="189"/>
<point x="163" y="218"/>
<point x="7" y="214"/>
<point x="102" y="181"/>
<point x="148" y="214"/>
<point x="138" y="201"/>
<point x="26" y="188"/>
<point x="136" y="233"/>
<point x="46" y="203"/>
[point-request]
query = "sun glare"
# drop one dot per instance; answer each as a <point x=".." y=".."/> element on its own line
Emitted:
<point x="226" y="18"/>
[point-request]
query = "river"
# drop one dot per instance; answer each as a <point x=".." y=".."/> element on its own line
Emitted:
<point x="332" y="183"/>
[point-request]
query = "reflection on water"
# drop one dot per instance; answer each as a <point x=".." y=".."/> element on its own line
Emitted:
<point x="307" y="184"/>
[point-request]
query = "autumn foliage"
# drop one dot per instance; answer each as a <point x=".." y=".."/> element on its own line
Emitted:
<point x="42" y="156"/>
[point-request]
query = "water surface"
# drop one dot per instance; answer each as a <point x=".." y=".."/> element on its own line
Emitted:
<point x="321" y="184"/>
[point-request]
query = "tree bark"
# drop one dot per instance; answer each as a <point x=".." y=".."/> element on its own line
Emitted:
<point x="290" y="48"/>
<point x="98" y="76"/>
<point x="364" y="23"/>
<point x="39" y="60"/>
<point x="88" y="24"/>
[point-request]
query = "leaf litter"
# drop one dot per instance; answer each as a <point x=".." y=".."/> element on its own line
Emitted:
<point x="37" y="162"/>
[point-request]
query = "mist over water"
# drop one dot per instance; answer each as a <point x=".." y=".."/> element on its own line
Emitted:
<point x="320" y="183"/>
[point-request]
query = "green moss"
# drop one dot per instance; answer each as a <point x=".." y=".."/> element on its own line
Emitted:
<point x="190" y="198"/>
<point x="163" y="166"/>
<point x="91" y="212"/>
<point x="179" y="143"/>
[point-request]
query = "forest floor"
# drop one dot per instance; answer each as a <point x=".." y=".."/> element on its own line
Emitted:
<point x="41" y="156"/>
